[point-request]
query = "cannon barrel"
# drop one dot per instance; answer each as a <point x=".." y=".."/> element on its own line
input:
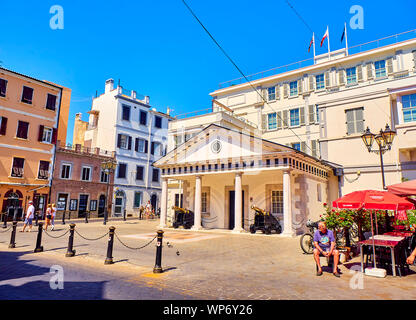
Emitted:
<point x="180" y="209"/>
<point x="259" y="210"/>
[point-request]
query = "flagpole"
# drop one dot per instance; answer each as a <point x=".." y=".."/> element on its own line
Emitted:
<point x="313" y="38"/>
<point x="329" y="48"/>
<point x="346" y="38"/>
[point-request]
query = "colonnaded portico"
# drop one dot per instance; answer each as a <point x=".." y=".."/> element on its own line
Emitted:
<point x="220" y="174"/>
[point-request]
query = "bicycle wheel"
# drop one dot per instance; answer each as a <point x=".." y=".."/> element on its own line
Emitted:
<point x="306" y="243"/>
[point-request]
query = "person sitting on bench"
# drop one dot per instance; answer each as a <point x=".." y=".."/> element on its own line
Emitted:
<point x="324" y="242"/>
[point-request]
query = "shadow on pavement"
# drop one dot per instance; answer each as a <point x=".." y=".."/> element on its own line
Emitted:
<point x="22" y="280"/>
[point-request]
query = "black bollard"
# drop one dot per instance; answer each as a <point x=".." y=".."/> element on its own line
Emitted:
<point x="124" y="215"/>
<point x="158" y="264"/>
<point x="39" y="248"/>
<point x="86" y="217"/>
<point x="36" y="220"/>
<point x="5" y="216"/>
<point x="69" y="215"/>
<point x="71" y="252"/>
<point x="63" y="217"/>
<point x="109" y="259"/>
<point x="13" y="236"/>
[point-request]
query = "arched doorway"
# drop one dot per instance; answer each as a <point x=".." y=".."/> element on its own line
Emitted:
<point x="119" y="203"/>
<point x="14" y="194"/>
<point x="101" y="205"/>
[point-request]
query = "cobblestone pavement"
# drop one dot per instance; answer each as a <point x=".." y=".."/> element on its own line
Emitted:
<point x="203" y="265"/>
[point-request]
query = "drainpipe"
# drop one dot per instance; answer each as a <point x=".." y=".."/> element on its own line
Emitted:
<point x="149" y="148"/>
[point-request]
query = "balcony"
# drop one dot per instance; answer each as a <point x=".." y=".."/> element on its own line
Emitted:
<point x="79" y="149"/>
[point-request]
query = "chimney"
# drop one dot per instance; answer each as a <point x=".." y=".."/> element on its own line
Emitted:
<point x="78" y="116"/>
<point x="146" y="99"/>
<point x="133" y="94"/>
<point x="109" y="85"/>
<point x="168" y="111"/>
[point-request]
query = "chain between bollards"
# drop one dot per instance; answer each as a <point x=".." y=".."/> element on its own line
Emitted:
<point x="158" y="263"/>
<point x="109" y="259"/>
<point x="71" y="252"/>
<point x="39" y="248"/>
<point x="13" y="236"/>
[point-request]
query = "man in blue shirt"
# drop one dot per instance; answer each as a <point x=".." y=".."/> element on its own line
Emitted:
<point x="324" y="242"/>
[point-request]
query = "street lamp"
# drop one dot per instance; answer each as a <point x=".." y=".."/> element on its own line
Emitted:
<point x="384" y="140"/>
<point x="108" y="167"/>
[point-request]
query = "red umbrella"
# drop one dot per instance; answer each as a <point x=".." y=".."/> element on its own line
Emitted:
<point x="372" y="200"/>
<point x="407" y="188"/>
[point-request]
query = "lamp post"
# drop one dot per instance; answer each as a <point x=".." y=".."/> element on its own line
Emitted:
<point x="108" y="167"/>
<point x="384" y="140"/>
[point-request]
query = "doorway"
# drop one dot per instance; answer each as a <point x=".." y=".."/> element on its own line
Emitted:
<point x="231" y="210"/>
<point x="153" y="202"/>
<point x="101" y="206"/>
<point x="83" y="205"/>
<point x="119" y="203"/>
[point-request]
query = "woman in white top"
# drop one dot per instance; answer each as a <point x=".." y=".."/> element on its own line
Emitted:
<point x="53" y="216"/>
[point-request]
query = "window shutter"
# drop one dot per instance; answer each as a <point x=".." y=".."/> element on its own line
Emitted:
<point x="350" y="121"/>
<point x="300" y="86"/>
<point x="265" y="95"/>
<point x="359" y="120"/>
<point x="129" y="147"/>
<point x="314" y="154"/>
<point x="136" y="145"/>
<point x="277" y="92"/>
<point x="146" y="143"/>
<point x="327" y="79"/>
<point x="302" y="116"/>
<point x="40" y="137"/>
<point x="360" y="73"/>
<point x="279" y="120"/>
<point x="3" y="126"/>
<point x="311" y="112"/>
<point x="264" y="121"/>
<point x="152" y="148"/>
<point x="311" y="83"/>
<point x="414" y="59"/>
<point x="119" y="141"/>
<point x="285" y="120"/>
<point x="54" y="135"/>
<point x="285" y="90"/>
<point x="341" y="77"/>
<point x="370" y="71"/>
<point x="389" y="63"/>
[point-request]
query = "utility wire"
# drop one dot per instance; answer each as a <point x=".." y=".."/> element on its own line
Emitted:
<point x="300" y="17"/>
<point x="241" y="72"/>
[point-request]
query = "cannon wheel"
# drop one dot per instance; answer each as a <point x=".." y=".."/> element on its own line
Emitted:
<point x="278" y="229"/>
<point x="267" y="230"/>
<point x="252" y="229"/>
<point x="306" y="243"/>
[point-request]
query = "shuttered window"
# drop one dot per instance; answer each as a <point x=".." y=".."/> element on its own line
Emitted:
<point x="409" y="107"/>
<point x="125" y="115"/>
<point x="143" y="117"/>
<point x="293" y="88"/>
<point x="320" y="82"/>
<point x="158" y="122"/>
<point x="122" y="168"/>
<point x="271" y="94"/>
<point x="351" y="75"/>
<point x="3" y="87"/>
<point x="271" y="121"/>
<point x="51" y="102"/>
<point x="43" y="170"/>
<point x="370" y="71"/>
<point x="27" y="95"/>
<point x="22" y="129"/>
<point x="355" y="120"/>
<point x="17" y="168"/>
<point x="294" y="117"/>
<point x="380" y="67"/>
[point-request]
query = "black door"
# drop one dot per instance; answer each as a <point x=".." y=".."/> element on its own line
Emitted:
<point x="153" y="201"/>
<point x="101" y="206"/>
<point x="83" y="205"/>
<point x="232" y="210"/>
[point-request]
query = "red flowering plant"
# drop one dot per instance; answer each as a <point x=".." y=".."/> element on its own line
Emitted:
<point x="363" y="218"/>
<point x="338" y="219"/>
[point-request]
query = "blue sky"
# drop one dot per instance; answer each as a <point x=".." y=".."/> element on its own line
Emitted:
<point x="158" y="49"/>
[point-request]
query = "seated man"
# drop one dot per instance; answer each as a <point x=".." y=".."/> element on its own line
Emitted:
<point x="324" y="243"/>
<point x="411" y="259"/>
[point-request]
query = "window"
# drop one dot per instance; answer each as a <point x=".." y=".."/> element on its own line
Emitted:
<point x="178" y="140"/>
<point x="355" y="120"/>
<point x="27" y="95"/>
<point x="409" y="107"/>
<point x="277" y="202"/>
<point x="3" y="87"/>
<point x="155" y="175"/>
<point x="143" y="117"/>
<point x="3" y="126"/>
<point x="177" y="198"/>
<point x="319" y="192"/>
<point x="204" y="202"/>
<point x="351" y="75"/>
<point x="125" y="114"/>
<point x="317" y="113"/>
<point x="22" y="129"/>
<point x="272" y="121"/>
<point x="51" y="102"/>
<point x="139" y="172"/>
<point x="293" y="88"/>
<point x="294" y="117"/>
<point x="104" y="176"/>
<point x="380" y="67"/>
<point x="320" y="81"/>
<point x="122" y="168"/>
<point x="137" y="199"/>
<point x="271" y="93"/>
<point x="86" y="174"/>
<point x="124" y="142"/>
<point x="66" y="171"/>
<point x="43" y="170"/>
<point x="47" y="135"/>
<point x="17" y="169"/>
<point x="296" y="146"/>
<point x="158" y="122"/>
<point x="156" y="149"/>
<point x="140" y="145"/>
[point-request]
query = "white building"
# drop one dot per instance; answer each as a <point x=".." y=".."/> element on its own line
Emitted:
<point x="123" y="122"/>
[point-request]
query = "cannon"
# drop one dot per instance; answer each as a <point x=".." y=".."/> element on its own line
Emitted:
<point x="183" y="217"/>
<point x="265" y="222"/>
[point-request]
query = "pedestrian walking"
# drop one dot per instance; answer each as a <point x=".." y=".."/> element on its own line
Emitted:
<point x="48" y="217"/>
<point x="53" y="216"/>
<point x="30" y="213"/>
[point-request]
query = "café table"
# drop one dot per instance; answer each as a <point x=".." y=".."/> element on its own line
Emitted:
<point x="399" y="233"/>
<point x="391" y="243"/>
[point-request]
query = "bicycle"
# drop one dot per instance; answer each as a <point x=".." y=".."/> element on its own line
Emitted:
<point x="306" y="241"/>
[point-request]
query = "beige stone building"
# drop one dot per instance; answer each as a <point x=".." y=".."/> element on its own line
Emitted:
<point x="316" y="115"/>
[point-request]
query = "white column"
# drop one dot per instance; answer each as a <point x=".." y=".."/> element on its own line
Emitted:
<point x="287" y="205"/>
<point x="238" y="209"/>
<point x="163" y="203"/>
<point x="197" y="213"/>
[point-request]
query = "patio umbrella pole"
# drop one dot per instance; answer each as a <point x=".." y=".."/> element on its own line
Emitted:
<point x="374" y="246"/>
